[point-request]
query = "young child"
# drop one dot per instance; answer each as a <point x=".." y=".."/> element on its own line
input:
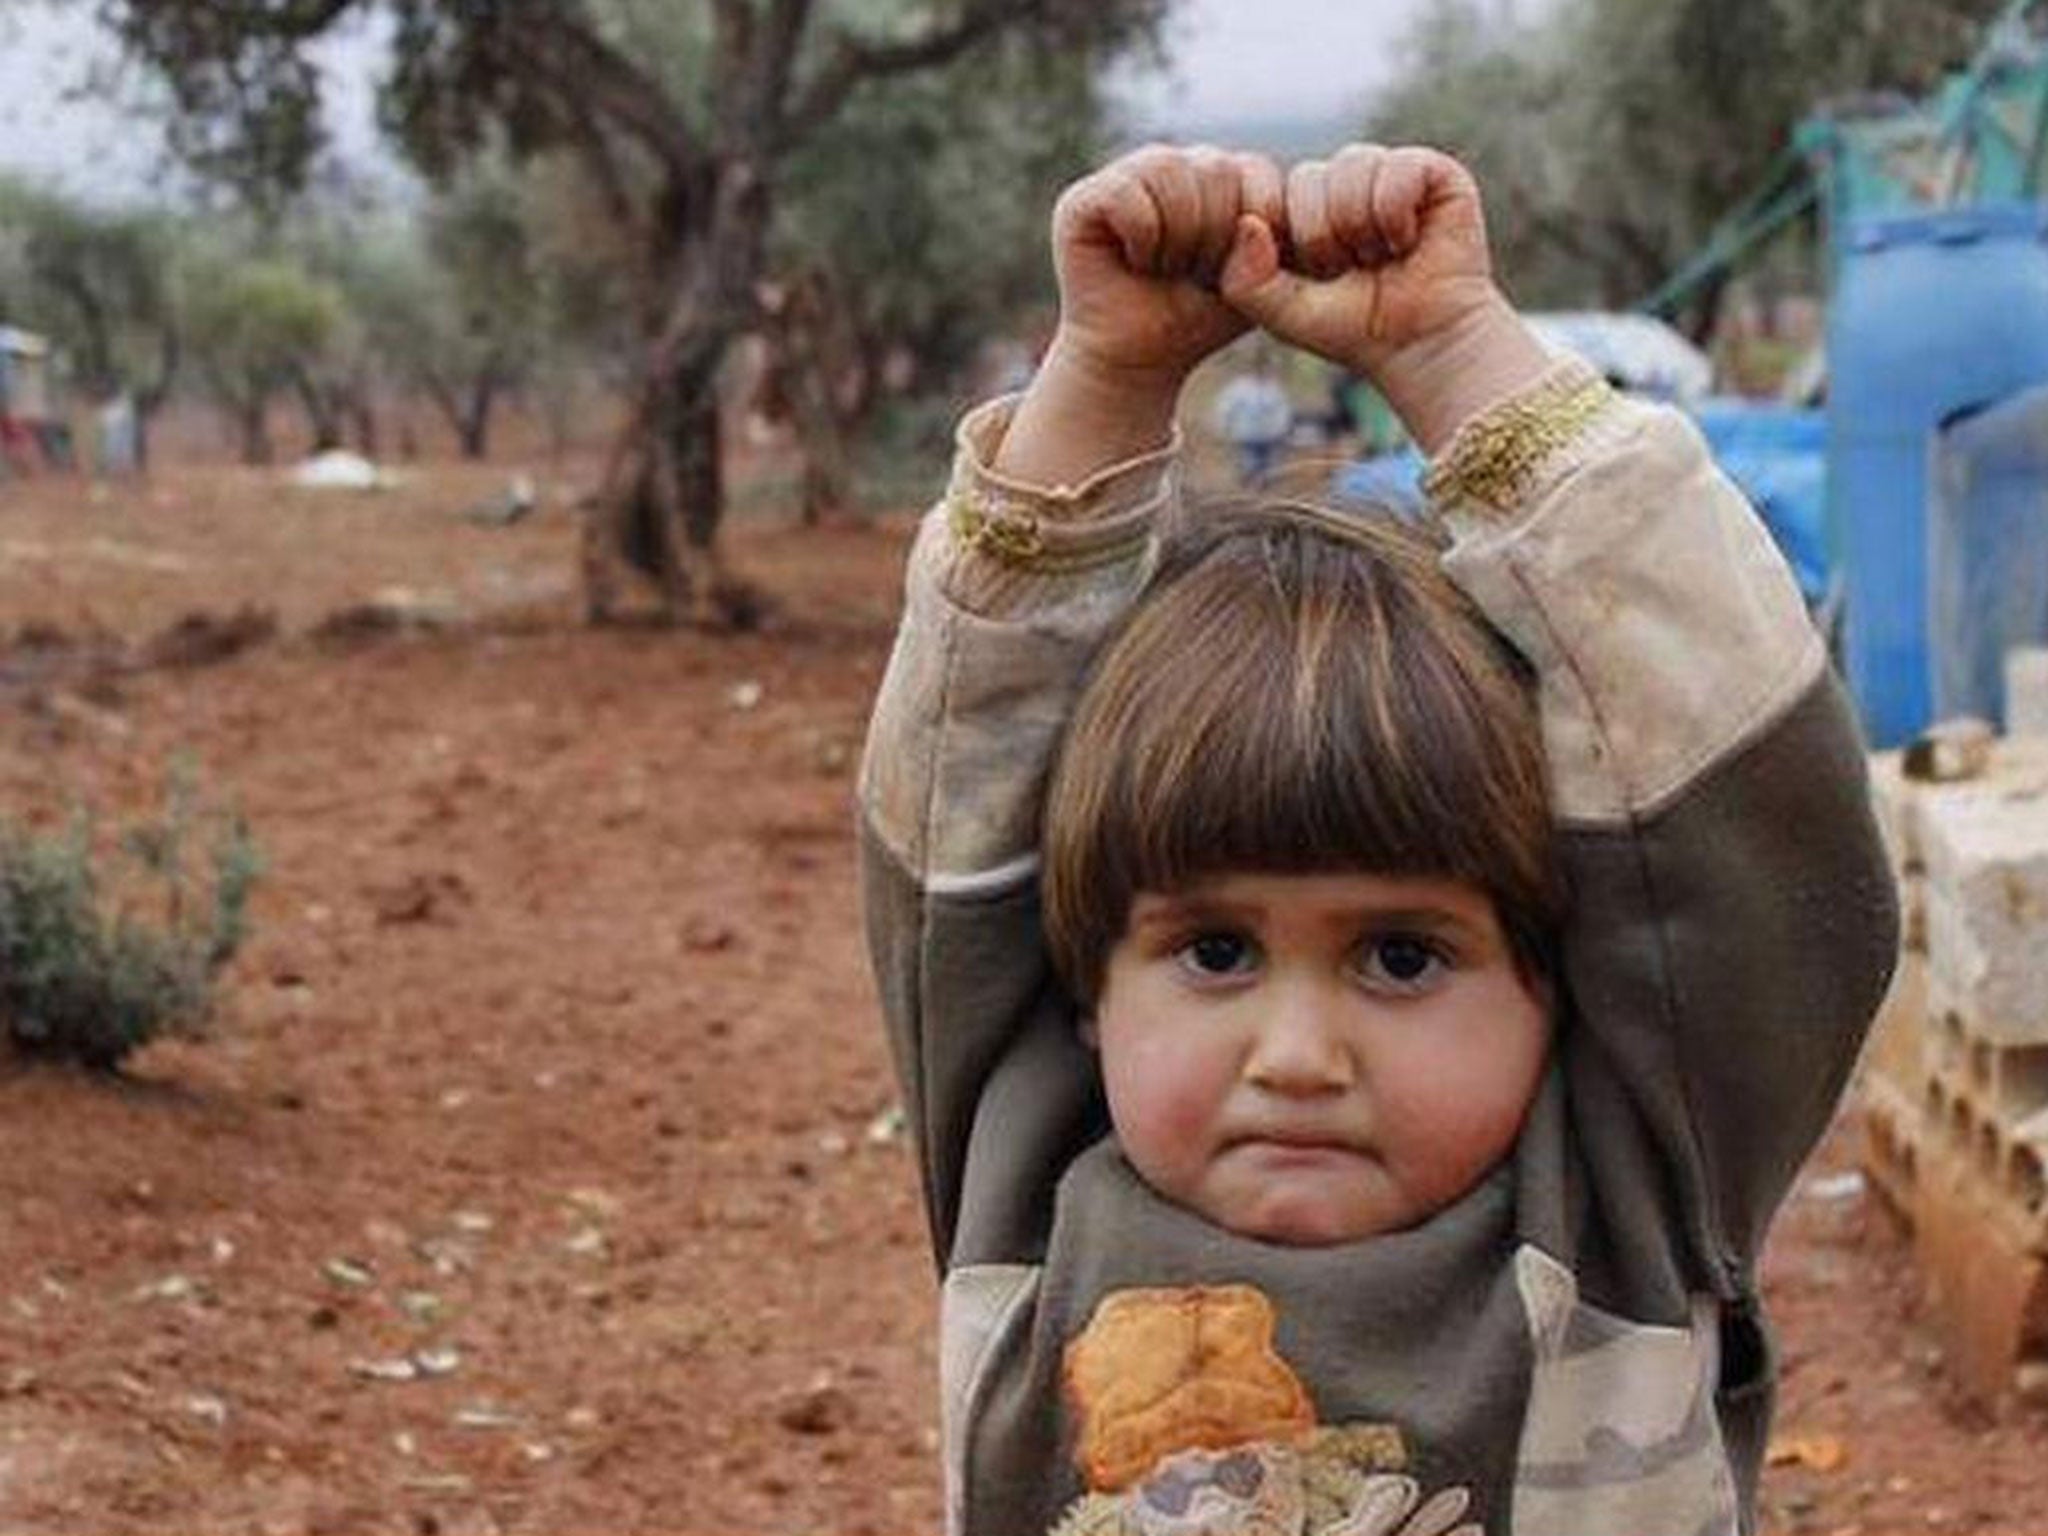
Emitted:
<point x="1366" y="1117"/>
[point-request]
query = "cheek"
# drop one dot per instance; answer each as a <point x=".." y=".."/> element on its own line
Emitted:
<point x="1164" y="1091"/>
<point x="1463" y="1090"/>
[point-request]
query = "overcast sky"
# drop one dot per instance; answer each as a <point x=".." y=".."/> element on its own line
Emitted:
<point x="1276" y="58"/>
<point x="1232" y="59"/>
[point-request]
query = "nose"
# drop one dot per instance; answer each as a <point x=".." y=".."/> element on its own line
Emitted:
<point x="1299" y="1047"/>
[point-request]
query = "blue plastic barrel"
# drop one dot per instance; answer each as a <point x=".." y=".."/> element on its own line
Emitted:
<point x="1987" y="550"/>
<point x="1934" y="314"/>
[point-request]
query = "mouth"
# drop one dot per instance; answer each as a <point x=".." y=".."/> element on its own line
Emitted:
<point x="1297" y="1146"/>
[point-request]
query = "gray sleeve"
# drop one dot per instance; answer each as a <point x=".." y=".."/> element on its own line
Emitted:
<point x="1732" y="926"/>
<point x="995" y="637"/>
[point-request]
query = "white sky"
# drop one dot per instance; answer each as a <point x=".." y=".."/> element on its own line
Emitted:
<point x="1240" y="59"/>
<point x="1231" y="60"/>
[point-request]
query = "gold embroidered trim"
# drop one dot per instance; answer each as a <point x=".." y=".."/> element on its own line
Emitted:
<point x="988" y="526"/>
<point x="1495" y="458"/>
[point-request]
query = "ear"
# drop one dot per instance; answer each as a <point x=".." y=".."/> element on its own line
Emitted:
<point x="1090" y="1035"/>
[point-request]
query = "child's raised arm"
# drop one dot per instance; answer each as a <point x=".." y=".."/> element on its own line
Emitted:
<point x="1732" y="925"/>
<point x="1139" y="247"/>
<point x="1040" y="542"/>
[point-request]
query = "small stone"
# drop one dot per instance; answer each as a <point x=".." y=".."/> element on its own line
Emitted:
<point x="398" y="1368"/>
<point x="744" y="695"/>
<point x="204" y="1405"/>
<point x="820" y="1409"/>
<point x="170" y="1288"/>
<point x="353" y="1273"/>
<point x="439" y="1361"/>
<point x="707" y="935"/>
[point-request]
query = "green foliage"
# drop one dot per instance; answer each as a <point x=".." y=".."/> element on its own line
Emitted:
<point x="925" y="207"/>
<point x="96" y="282"/>
<point x="256" y="323"/>
<point x="83" y="977"/>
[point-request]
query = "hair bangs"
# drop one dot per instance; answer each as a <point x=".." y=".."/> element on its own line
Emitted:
<point x="1299" y="693"/>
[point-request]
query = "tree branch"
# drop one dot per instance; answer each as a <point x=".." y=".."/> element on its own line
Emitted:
<point x="854" y="61"/>
<point x="590" y="77"/>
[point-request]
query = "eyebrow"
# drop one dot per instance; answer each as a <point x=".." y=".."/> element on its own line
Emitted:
<point x="1155" y="911"/>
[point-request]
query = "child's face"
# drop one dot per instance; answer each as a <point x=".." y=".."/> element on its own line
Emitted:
<point x="1316" y="1058"/>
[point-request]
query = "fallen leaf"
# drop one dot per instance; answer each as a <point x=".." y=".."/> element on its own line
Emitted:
<point x="1817" y="1453"/>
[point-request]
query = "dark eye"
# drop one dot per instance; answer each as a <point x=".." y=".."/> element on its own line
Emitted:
<point x="1401" y="962"/>
<point x="1218" y="954"/>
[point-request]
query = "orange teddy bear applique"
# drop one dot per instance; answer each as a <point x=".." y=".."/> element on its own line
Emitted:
<point x="1189" y="1423"/>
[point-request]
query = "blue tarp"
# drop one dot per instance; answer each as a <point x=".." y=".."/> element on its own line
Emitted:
<point x="1777" y="454"/>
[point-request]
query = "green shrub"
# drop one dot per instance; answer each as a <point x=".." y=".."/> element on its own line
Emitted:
<point x="99" y="957"/>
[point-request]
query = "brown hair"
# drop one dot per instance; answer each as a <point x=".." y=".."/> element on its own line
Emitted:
<point x="1299" y="691"/>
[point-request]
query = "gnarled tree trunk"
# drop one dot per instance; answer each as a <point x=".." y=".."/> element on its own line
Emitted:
<point x="663" y="495"/>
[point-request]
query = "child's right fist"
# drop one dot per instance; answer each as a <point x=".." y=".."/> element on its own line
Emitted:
<point x="1139" y="248"/>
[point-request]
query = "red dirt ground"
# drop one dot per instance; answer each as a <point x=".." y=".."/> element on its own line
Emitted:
<point x="553" y="1062"/>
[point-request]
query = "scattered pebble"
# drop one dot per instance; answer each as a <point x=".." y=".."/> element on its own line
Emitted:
<point x="820" y="1409"/>
<point x="746" y="695"/>
<point x="170" y="1288"/>
<point x="353" y="1273"/>
<point x="396" y="1368"/>
<point x="204" y="1405"/>
<point x="595" y="1202"/>
<point x="439" y="1361"/>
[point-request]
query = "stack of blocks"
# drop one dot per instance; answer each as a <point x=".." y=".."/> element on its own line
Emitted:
<point x="1955" y="1081"/>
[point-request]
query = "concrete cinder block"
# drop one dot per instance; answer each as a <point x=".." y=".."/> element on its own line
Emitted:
<point x="1986" y="1285"/>
<point x="1894" y="799"/>
<point x="1895" y="1049"/>
<point x="1984" y="846"/>
<point x="1893" y="1131"/>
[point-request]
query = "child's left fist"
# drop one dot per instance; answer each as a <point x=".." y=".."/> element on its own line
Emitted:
<point x="1385" y="248"/>
<point x="1387" y="273"/>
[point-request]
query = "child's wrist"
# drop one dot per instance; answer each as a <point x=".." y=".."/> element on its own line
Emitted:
<point x="1082" y="413"/>
<point x="1439" y="383"/>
